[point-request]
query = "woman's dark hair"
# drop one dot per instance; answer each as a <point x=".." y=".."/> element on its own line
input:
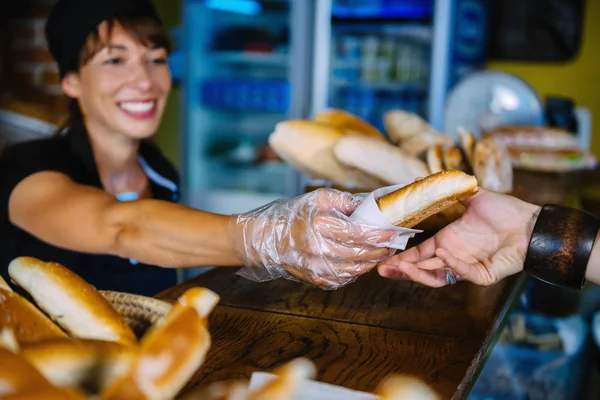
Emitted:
<point x="145" y="30"/>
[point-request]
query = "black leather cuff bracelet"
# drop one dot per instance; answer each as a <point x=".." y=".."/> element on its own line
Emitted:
<point x="560" y="245"/>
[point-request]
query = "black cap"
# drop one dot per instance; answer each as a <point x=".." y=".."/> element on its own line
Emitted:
<point x="71" y="21"/>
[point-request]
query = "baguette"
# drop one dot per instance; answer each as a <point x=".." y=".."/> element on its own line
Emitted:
<point x="401" y="125"/>
<point x="434" y="158"/>
<point x="19" y="379"/>
<point x="467" y="141"/>
<point x="28" y="323"/>
<point x="453" y="158"/>
<point x="84" y="363"/>
<point x="348" y="122"/>
<point x="289" y="378"/>
<point x="416" y="145"/>
<point x="408" y="206"/>
<point x="308" y="147"/>
<point x="380" y="160"/>
<point x="170" y="352"/>
<point x="492" y="165"/>
<point x="70" y="301"/>
<point x="396" y="387"/>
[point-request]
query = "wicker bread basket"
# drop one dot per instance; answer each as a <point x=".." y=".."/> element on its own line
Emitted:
<point x="140" y="312"/>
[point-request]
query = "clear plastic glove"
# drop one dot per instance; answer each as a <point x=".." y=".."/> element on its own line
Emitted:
<point x="309" y="238"/>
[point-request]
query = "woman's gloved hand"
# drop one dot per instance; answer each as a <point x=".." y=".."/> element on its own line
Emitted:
<point x="309" y="238"/>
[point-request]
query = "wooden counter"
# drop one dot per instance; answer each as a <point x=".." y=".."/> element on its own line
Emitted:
<point x="359" y="334"/>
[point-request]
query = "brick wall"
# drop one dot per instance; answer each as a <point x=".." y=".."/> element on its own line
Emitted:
<point x="28" y="73"/>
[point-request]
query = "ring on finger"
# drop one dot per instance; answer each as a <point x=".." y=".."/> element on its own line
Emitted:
<point x="451" y="277"/>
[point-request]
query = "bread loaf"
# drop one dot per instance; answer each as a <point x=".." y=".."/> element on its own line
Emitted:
<point x="401" y="125"/>
<point x="434" y="158"/>
<point x="453" y="158"/>
<point x="381" y="160"/>
<point x="492" y="165"/>
<point x="84" y="363"/>
<point x="348" y="122"/>
<point x="308" y="147"/>
<point x="398" y="387"/>
<point x="70" y="301"/>
<point x="19" y="379"/>
<point x="467" y="141"/>
<point x="170" y="352"/>
<point x="417" y="144"/>
<point x="28" y="323"/>
<point x="408" y="206"/>
<point x="289" y="378"/>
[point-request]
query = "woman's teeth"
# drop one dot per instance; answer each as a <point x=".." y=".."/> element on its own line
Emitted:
<point x="138" y="107"/>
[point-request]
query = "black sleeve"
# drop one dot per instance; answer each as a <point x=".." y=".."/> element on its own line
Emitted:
<point x="21" y="160"/>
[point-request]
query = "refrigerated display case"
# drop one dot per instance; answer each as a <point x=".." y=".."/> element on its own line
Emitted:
<point x="249" y="64"/>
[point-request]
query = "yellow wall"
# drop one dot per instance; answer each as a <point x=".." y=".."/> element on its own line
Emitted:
<point x="579" y="78"/>
<point x="169" y="133"/>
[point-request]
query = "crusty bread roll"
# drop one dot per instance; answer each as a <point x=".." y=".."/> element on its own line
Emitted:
<point x="396" y="387"/>
<point x="348" y="122"/>
<point x="4" y="285"/>
<point x="28" y="323"/>
<point x="401" y="125"/>
<point x="84" y="363"/>
<point x="170" y="352"/>
<point x="467" y="142"/>
<point x="308" y="147"/>
<point x="378" y="159"/>
<point x="70" y="301"/>
<point x="408" y="206"/>
<point x="453" y="158"/>
<point x="289" y="378"/>
<point x="19" y="379"/>
<point x="415" y="145"/>
<point x="492" y="165"/>
<point x="434" y="158"/>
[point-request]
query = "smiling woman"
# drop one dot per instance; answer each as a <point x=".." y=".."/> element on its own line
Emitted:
<point x="98" y="197"/>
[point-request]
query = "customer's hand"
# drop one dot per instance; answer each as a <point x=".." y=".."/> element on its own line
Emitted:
<point x="309" y="238"/>
<point x="487" y="244"/>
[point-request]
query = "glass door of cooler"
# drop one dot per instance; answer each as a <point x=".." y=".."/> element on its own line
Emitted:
<point x="237" y="89"/>
<point x="401" y="54"/>
<point x="380" y="57"/>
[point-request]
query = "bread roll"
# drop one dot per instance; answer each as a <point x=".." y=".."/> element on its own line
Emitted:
<point x="4" y="285"/>
<point x="492" y="165"/>
<point x="84" y="363"/>
<point x="417" y="144"/>
<point x="434" y="158"/>
<point x="453" y="158"/>
<point x="467" y="142"/>
<point x="308" y="147"/>
<point x="28" y="323"/>
<point x="289" y="378"/>
<point x="70" y="301"/>
<point x="19" y="379"/>
<point x="381" y="160"/>
<point x="401" y="125"/>
<point x="408" y="206"/>
<point x="170" y="352"/>
<point x="348" y="122"/>
<point x="398" y="387"/>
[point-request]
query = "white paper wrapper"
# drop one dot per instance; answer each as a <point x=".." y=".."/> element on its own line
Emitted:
<point x="313" y="390"/>
<point x="368" y="213"/>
